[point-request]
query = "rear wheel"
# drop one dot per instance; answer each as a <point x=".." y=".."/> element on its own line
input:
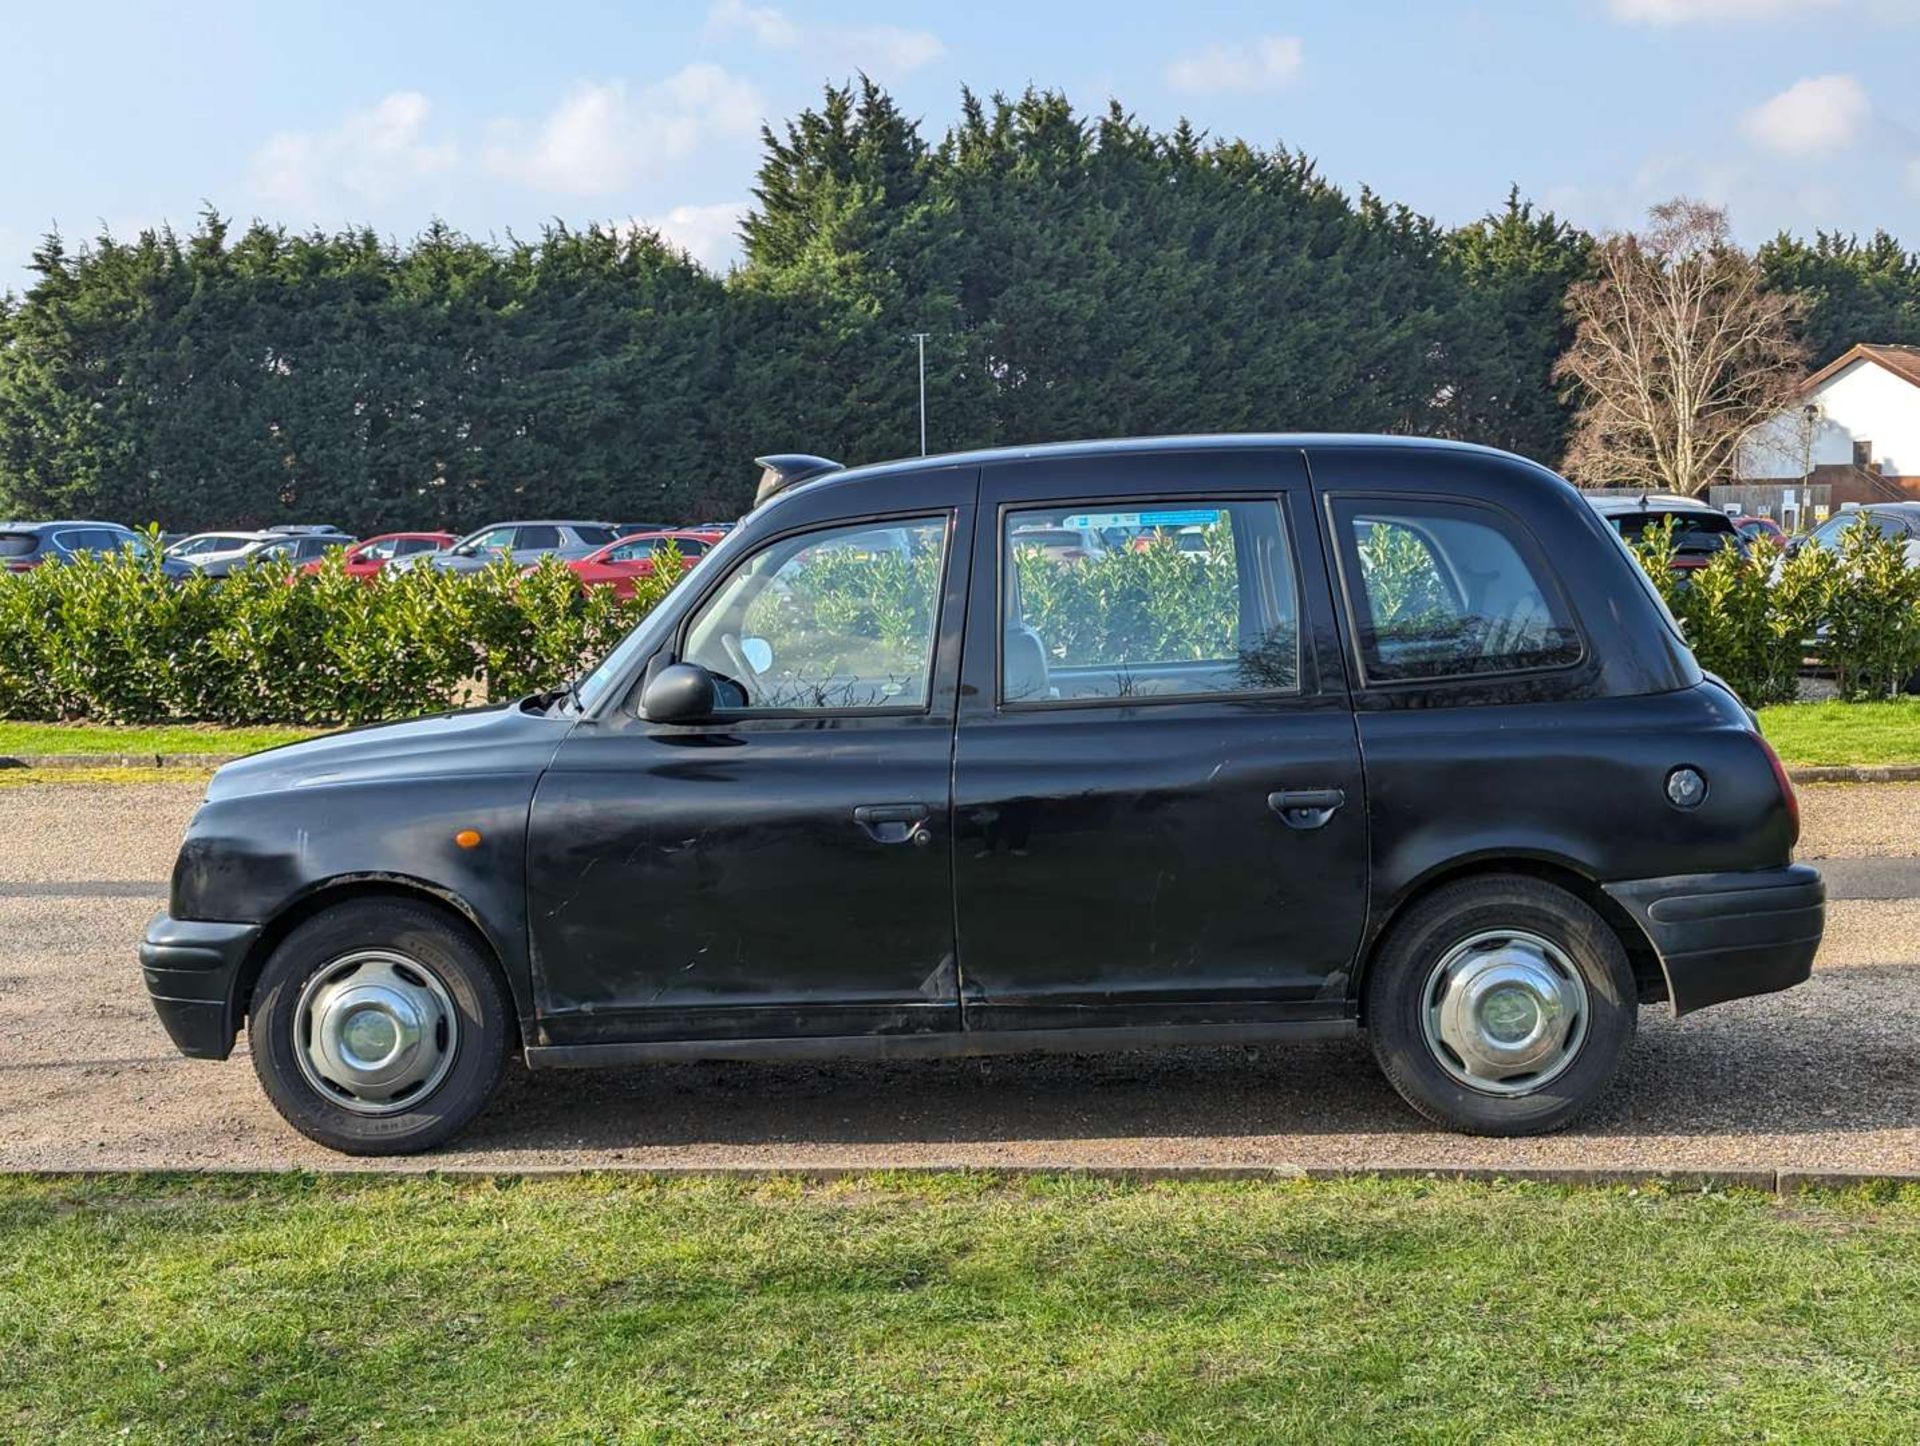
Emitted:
<point x="1501" y="1006"/>
<point x="379" y="1027"/>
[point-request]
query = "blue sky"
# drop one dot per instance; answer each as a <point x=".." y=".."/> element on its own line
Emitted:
<point x="1795" y="114"/>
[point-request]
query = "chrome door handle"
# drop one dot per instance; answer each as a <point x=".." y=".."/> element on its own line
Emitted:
<point x="1305" y="808"/>
<point x="894" y="822"/>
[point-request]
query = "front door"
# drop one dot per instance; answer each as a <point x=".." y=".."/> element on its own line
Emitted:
<point x="1159" y="809"/>
<point x="784" y="869"/>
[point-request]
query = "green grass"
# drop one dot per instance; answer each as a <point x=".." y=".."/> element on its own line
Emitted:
<point x="18" y="738"/>
<point x="950" y="1308"/>
<point x="1844" y="733"/>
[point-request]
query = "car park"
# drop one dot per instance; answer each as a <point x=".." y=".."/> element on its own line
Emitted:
<point x="521" y="543"/>
<point x="1700" y="532"/>
<point x="364" y="560"/>
<point x="632" y="558"/>
<point x="27" y="545"/>
<point x="1417" y="755"/>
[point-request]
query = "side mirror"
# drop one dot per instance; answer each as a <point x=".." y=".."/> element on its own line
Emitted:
<point x="680" y="693"/>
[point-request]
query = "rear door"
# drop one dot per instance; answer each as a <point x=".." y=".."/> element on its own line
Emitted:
<point x="1159" y="810"/>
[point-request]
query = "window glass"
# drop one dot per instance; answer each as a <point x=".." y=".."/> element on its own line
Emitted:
<point x="492" y="538"/>
<point x="19" y="544"/>
<point x="537" y="539"/>
<point x="632" y="551"/>
<point x="597" y="536"/>
<point x="1126" y="600"/>
<point x="1445" y="590"/>
<point x="1694" y="533"/>
<point x="839" y="618"/>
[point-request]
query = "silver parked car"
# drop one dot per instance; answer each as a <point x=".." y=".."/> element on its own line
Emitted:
<point x="218" y="553"/>
<point x="521" y="543"/>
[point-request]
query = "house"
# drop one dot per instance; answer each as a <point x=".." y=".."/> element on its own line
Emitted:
<point x="1853" y="437"/>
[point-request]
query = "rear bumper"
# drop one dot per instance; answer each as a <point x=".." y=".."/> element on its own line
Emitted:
<point x="191" y="966"/>
<point x="1727" y="936"/>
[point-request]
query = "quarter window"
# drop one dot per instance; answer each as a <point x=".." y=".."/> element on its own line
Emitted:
<point x="1128" y="601"/>
<point x="842" y="618"/>
<point x="1441" y="590"/>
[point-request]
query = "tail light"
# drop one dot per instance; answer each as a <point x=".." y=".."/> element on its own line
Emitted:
<point x="22" y="564"/>
<point x="1780" y="777"/>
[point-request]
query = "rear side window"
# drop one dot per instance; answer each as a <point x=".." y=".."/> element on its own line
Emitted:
<point x="542" y="538"/>
<point x="19" y="544"/>
<point x="1186" y="599"/>
<point x="1448" y="590"/>
<point x="597" y="536"/>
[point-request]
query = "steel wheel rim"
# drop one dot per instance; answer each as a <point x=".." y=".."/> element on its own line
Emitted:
<point x="1505" y="1012"/>
<point x="375" y="1032"/>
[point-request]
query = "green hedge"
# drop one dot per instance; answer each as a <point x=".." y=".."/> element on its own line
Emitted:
<point x="113" y="640"/>
<point x="1756" y="621"/>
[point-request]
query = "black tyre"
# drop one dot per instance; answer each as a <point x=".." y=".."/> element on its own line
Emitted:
<point x="1501" y="1006"/>
<point x="379" y="1027"/>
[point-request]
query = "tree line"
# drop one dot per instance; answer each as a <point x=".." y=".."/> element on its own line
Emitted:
<point x="1077" y="275"/>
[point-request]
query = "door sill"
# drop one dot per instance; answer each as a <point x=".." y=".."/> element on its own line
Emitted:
<point x="958" y="1044"/>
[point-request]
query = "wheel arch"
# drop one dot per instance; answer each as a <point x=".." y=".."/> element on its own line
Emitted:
<point x="1648" y="975"/>
<point x="352" y="888"/>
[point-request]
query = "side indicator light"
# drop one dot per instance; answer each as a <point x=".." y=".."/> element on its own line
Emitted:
<point x="468" y="838"/>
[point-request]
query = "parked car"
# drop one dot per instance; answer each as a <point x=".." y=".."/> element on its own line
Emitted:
<point x="521" y="543"/>
<point x="1699" y="531"/>
<point x="365" y="559"/>
<point x="636" y="529"/>
<point x="1753" y="529"/>
<point x="217" y="554"/>
<point x="1897" y="520"/>
<point x="1059" y="544"/>
<point x="27" y="545"/>
<point x="1430" y="762"/>
<point x="632" y="558"/>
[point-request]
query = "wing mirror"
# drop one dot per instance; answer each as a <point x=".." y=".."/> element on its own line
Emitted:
<point x="680" y="693"/>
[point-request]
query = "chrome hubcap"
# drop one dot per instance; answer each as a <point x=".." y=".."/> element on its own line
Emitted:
<point x="1505" y="1012"/>
<point x="375" y="1031"/>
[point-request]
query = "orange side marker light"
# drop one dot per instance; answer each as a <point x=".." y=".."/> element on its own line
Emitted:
<point x="468" y="838"/>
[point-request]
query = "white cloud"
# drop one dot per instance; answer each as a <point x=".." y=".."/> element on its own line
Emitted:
<point x="370" y="156"/>
<point x="602" y="137"/>
<point x="765" y="24"/>
<point x="709" y="234"/>
<point x="1689" y="12"/>
<point x="1810" y="117"/>
<point x="1268" y="63"/>
<point x="882" y="49"/>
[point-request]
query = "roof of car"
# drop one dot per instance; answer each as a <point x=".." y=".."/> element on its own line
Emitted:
<point x="1647" y="502"/>
<point x="1196" y="442"/>
<point x="542" y="522"/>
<point x="60" y="522"/>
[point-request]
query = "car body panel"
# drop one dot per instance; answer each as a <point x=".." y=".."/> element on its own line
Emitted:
<point x="605" y="567"/>
<point x="1117" y="871"/>
<point x="365" y="559"/>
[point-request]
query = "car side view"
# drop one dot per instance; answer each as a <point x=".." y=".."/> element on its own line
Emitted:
<point x="1321" y="736"/>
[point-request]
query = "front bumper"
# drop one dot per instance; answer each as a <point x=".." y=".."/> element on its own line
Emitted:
<point x="1726" y="936"/>
<point x="191" y="966"/>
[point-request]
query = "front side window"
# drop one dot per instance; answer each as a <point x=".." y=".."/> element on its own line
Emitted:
<point x="1130" y="601"/>
<point x="1443" y="590"/>
<point x="842" y="618"/>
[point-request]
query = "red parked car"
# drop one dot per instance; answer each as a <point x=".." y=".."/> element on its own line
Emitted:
<point x="365" y="559"/>
<point x="1755" y="528"/>
<point x="621" y="564"/>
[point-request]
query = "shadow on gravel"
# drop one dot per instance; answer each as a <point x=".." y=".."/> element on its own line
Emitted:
<point x="1758" y="1068"/>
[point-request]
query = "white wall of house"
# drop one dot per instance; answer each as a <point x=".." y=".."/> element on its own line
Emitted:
<point x="1862" y="403"/>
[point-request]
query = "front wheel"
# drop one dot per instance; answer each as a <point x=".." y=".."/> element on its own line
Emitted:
<point x="379" y="1027"/>
<point x="1501" y="1006"/>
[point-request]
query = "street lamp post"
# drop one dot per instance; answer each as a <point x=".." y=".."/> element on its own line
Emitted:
<point x="921" y="338"/>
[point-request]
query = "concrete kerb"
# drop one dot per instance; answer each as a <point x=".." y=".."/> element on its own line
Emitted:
<point x="1763" y="1180"/>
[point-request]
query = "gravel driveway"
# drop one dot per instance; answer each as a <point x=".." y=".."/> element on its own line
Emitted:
<point x="1824" y="1077"/>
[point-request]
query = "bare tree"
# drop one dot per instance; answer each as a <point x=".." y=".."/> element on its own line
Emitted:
<point x="1679" y="351"/>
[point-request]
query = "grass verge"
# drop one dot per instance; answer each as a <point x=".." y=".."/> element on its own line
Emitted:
<point x="61" y="777"/>
<point x="19" y="738"/>
<point x="1805" y="734"/>
<point x="950" y="1308"/>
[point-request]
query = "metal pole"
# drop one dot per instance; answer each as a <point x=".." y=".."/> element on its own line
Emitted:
<point x="921" y="338"/>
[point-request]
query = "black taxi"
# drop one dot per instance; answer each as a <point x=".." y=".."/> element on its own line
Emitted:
<point x="1179" y="741"/>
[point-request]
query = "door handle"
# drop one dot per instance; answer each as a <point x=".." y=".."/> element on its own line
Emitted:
<point x="894" y="822"/>
<point x="1306" y="807"/>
